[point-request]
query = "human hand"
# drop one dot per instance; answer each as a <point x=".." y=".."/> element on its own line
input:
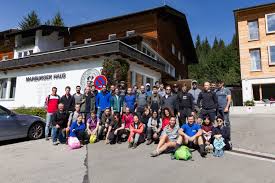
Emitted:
<point x="57" y="126"/>
<point x="226" y="109"/>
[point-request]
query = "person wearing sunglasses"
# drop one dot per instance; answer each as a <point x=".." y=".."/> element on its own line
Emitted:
<point x="169" y="100"/>
<point x="222" y="131"/>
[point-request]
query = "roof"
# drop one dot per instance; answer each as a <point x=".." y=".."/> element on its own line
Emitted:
<point x="40" y="27"/>
<point x="161" y="8"/>
<point x="254" y="7"/>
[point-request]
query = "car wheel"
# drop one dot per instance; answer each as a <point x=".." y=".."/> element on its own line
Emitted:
<point x="36" y="131"/>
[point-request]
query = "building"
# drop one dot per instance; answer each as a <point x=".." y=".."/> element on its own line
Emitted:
<point x="255" y="28"/>
<point x="156" y="43"/>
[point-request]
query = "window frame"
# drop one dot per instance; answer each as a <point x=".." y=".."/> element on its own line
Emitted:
<point x="88" y="41"/>
<point x="254" y="20"/>
<point x="266" y="24"/>
<point x="72" y="43"/>
<point x="256" y="70"/>
<point x="269" y="55"/>
<point x="5" y="57"/>
<point x="112" y="36"/>
<point x="130" y="33"/>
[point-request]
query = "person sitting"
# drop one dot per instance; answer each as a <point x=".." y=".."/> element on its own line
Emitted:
<point x="222" y="131"/>
<point x="78" y="129"/>
<point x="72" y="117"/>
<point x="166" y="118"/>
<point x="168" y="138"/>
<point x="207" y="133"/>
<point x="105" y="121"/>
<point x="59" y="124"/>
<point x="115" y="130"/>
<point x="93" y="124"/>
<point x="127" y="119"/>
<point x="136" y="133"/>
<point x="153" y="128"/>
<point x="145" y="117"/>
<point x="190" y="134"/>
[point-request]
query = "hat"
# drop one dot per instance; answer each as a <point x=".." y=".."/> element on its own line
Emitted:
<point x="148" y="84"/>
<point x="175" y="85"/>
<point x="194" y="81"/>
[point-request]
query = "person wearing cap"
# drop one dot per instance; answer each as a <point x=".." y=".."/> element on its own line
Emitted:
<point x="148" y="89"/>
<point x="175" y="89"/>
<point x="224" y="100"/>
<point x="208" y="102"/>
<point x="195" y="91"/>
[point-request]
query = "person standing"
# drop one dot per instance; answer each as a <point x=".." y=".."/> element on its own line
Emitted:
<point x="130" y="100"/>
<point x="148" y="89"/>
<point x="68" y="100"/>
<point x="141" y="101"/>
<point x="51" y="106"/>
<point x="60" y="119"/>
<point x="186" y="105"/>
<point x="224" y="100"/>
<point x="87" y="103"/>
<point x="169" y="101"/>
<point x="112" y="90"/>
<point x="94" y="90"/>
<point x="161" y="90"/>
<point x="176" y="89"/>
<point x="103" y="100"/>
<point x="116" y="102"/>
<point x="195" y="91"/>
<point x="122" y="90"/>
<point x="78" y="95"/>
<point x="207" y="101"/>
<point x="154" y="101"/>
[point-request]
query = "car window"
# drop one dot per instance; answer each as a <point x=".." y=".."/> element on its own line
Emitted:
<point x="3" y="113"/>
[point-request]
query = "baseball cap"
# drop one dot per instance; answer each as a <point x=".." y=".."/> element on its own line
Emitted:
<point x="148" y="84"/>
<point x="194" y="81"/>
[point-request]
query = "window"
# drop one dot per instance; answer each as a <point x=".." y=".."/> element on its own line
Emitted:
<point x="30" y="52"/>
<point x="20" y="54"/>
<point x="173" y="49"/>
<point x="6" y="57"/>
<point x="72" y="43"/>
<point x="25" y="53"/>
<point x="13" y="87"/>
<point x="253" y="28"/>
<point x="3" y="88"/>
<point x="130" y="33"/>
<point x="255" y="57"/>
<point x="271" y="51"/>
<point x="179" y="56"/>
<point x="270" y="23"/>
<point x="87" y="41"/>
<point x="112" y="36"/>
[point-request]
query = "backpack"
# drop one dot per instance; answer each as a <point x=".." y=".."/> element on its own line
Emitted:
<point x="74" y="143"/>
<point x="183" y="153"/>
<point x="92" y="139"/>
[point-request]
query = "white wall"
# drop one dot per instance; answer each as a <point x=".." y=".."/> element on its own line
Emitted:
<point x="247" y="86"/>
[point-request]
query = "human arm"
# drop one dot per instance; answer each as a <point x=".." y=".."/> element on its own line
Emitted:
<point x="149" y="124"/>
<point x="228" y="99"/>
<point x="139" y="130"/>
<point x="199" y="100"/>
<point x="108" y="132"/>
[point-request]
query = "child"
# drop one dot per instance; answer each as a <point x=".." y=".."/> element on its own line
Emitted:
<point x="92" y="124"/>
<point x="78" y="129"/>
<point x="153" y="128"/>
<point x="136" y="133"/>
<point x="207" y="132"/>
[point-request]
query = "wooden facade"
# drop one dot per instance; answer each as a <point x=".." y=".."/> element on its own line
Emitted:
<point x="7" y="44"/>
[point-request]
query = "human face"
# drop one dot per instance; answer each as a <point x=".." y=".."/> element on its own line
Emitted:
<point x="112" y="87"/>
<point x="127" y="110"/>
<point x="161" y="86"/>
<point x="155" y="90"/>
<point x="142" y="89"/>
<point x="117" y="91"/>
<point x="219" y="122"/>
<point x="176" y="88"/>
<point x="220" y="85"/>
<point x="167" y="113"/>
<point x="191" y="120"/>
<point x="93" y="115"/>
<point x="79" y="119"/>
<point x="136" y="119"/>
<point x="61" y="107"/>
<point x="147" y="111"/>
<point x="207" y="121"/>
<point x="78" y="89"/>
<point x="184" y="88"/>
<point x="194" y="85"/>
<point x="67" y="91"/>
<point x="129" y="91"/>
<point x="206" y="86"/>
<point x="116" y="118"/>
<point x="213" y="86"/>
<point x="87" y="90"/>
<point x="77" y="108"/>
<point x="168" y="90"/>
<point x="54" y="91"/>
<point x="155" y="114"/>
<point x="89" y="83"/>
<point x="107" y="112"/>
<point x="104" y="88"/>
<point x="172" y="122"/>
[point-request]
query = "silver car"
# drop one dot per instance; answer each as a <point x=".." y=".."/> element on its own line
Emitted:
<point x="13" y="126"/>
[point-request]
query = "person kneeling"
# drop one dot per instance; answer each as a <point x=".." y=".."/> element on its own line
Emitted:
<point x="190" y="134"/>
<point x="115" y="130"/>
<point x="153" y="128"/>
<point x="78" y="129"/>
<point x="136" y="133"/>
<point x="168" y="138"/>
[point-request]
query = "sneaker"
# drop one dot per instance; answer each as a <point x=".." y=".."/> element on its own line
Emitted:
<point x="119" y="142"/>
<point x="55" y="143"/>
<point x="130" y="145"/>
<point x="149" y="142"/>
<point x="203" y="154"/>
<point x="47" y="139"/>
<point x="155" y="153"/>
<point x="134" y="146"/>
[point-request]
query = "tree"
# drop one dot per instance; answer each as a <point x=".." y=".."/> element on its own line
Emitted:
<point x="30" y="21"/>
<point x="48" y="22"/>
<point x="57" y="20"/>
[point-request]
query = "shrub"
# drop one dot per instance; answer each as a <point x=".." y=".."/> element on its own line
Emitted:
<point x="36" y="111"/>
<point x="249" y="103"/>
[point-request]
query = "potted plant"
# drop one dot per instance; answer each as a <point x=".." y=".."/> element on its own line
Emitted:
<point x="249" y="105"/>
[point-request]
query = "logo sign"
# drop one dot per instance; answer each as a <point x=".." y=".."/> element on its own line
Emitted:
<point x="100" y="81"/>
<point x="90" y="76"/>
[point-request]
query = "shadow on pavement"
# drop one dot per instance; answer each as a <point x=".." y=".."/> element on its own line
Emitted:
<point x="14" y="141"/>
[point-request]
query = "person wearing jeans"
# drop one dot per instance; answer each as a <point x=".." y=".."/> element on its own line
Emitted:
<point x="51" y="104"/>
<point x="136" y="133"/>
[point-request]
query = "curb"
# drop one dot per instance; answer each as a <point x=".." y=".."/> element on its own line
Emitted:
<point x="254" y="153"/>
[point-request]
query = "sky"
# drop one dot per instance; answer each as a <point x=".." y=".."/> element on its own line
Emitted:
<point x="207" y="18"/>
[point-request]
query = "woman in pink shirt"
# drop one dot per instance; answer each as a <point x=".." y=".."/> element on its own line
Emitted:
<point x="127" y="119"/>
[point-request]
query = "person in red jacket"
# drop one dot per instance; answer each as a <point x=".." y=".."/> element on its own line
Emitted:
<point x="51" y="106"/>
<point x="136" y="133"/>
<point x="166" y="117"/>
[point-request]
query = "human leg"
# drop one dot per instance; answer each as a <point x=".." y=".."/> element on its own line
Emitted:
<point x="55" y="132"/>
<point x="149" y="135"/>
<point x="48" y="124"/>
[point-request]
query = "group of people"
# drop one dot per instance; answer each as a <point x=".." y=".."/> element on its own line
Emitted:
<point x="168" y="115"/>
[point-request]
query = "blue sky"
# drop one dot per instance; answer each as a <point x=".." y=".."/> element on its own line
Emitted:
<point x="208" y="18"/>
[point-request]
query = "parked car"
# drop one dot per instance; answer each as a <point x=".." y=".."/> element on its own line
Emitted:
<point x="14" y="126"/>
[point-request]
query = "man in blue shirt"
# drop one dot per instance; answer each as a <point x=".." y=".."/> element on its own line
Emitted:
<point x="191" y="134"/>
<point x="103" y="100"/>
